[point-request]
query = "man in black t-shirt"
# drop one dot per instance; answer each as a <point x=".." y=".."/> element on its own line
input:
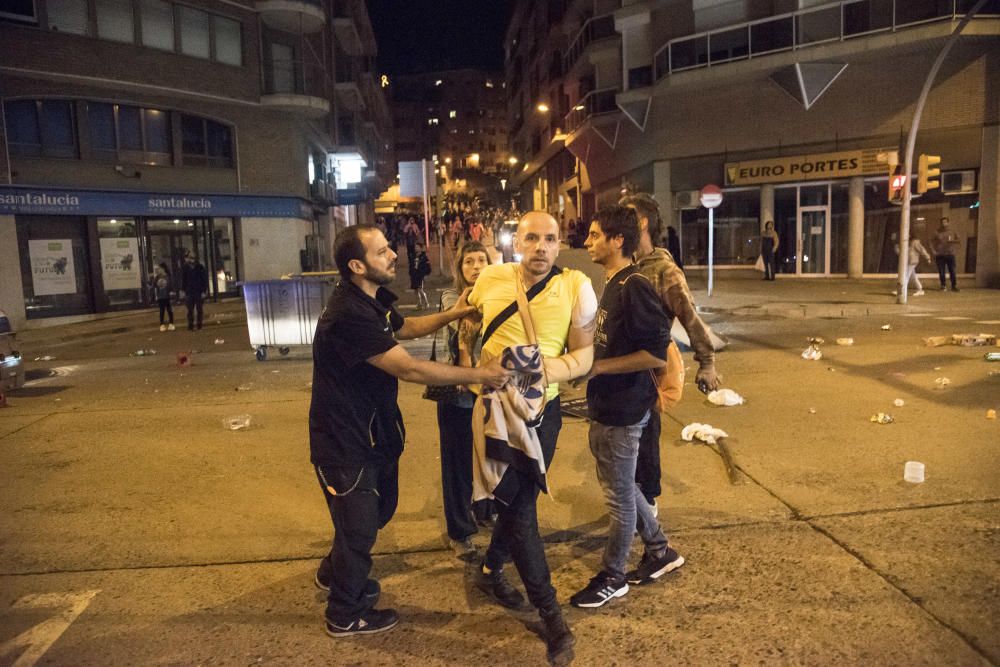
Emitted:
<point x="631" y="340"/>
<point x="356" y="430"/>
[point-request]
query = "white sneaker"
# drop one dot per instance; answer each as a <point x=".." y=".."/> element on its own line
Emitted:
<point x="919" y="292"/>
<point x="170" y="327"/>
<point x="163" y="327"/>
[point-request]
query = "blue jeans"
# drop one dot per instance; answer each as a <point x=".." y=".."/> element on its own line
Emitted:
<point x="615" y="449"/>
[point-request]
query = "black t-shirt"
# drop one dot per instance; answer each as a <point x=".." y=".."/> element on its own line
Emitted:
<point x="354" y="418"/>
<point x="630" y="318"/>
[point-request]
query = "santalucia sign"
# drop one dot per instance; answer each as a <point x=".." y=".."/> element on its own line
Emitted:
<point x="817" y="167"/>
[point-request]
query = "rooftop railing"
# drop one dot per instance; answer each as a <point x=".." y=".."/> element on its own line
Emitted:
<point x="832" y="22"/>
<point x="597" y="28"/>
<point x="594" y="103"/>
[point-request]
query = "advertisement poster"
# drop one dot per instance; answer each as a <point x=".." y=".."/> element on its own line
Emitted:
<point x="120" y="264"/>
<point x="52" y="270"/>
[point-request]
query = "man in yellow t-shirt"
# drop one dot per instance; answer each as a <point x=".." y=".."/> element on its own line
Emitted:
<point x="563" y="309"/>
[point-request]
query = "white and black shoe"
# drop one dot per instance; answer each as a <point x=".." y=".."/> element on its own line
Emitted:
<point x="371" y="622"/>
<point x="650" y="568"/>
<point x="601" y="588"/>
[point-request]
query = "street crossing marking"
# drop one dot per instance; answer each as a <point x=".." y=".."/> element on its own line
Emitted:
<point x="916" y="314"/>
<point x="988" y="322"/>
<point x="953" y="318"/>
<point x="38" y="639"/>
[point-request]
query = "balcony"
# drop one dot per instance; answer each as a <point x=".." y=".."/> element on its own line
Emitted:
<point x="346" y="28"/>
<point x="295" y="16"/>
<point x="594" y="30"/>
<point x="832" y="22"/>
<point x="346" y="77"/>
<point x="296" y="87"/>
<point x="591" y="106"/>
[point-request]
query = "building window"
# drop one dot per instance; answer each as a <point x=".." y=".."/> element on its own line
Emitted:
<point x="157" y="24"/>
<point x="432" y="121"/>
<point x="195" y="39"/>
<point x="114" y="20"/>
<point x="40" y="128"/>
<point x="452" y="114"/>
<point x="67" y="16"/>
<point x="205" y="142"/>
<point x="129" y="134"/>
<point x="228" y="41"/>
<point x="19" y="10"/>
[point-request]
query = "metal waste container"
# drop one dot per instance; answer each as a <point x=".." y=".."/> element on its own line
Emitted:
<point x="11" y="364"/>
<point x="282" y="313"/>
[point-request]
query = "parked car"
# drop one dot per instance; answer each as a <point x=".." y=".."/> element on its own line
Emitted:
<point x="11" y="364"/>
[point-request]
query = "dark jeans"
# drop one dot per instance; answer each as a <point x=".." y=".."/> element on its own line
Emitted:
<point x="516" y="534"/>
<point x="364" y="503"/>
<point x="165" y="309"/>
<point x="455" y="426"/>
<point x="946" y="262"/>
<point x="194" y="303"/>
<point x="647" y="464"/>
<point x="769" y="265"/>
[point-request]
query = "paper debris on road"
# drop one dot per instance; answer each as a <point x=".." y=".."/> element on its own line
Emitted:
<point x="726" y="397"/>
<point x="886" y="327"/>
<point x="812" y="353"/>
<point x="899" y="402"/>
<point x="962" y="340"/>
<point x="881" y="418"/>
<point x="236" y="422"/>
<point x="942" y="382"/>
<point x="845" y="341"/>
<point x="704" y="432"/>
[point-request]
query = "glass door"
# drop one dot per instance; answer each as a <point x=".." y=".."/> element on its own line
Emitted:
<point x="813" y="235"/>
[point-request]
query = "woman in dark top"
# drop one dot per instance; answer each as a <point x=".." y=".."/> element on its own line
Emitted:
<point x="768" y="248"/>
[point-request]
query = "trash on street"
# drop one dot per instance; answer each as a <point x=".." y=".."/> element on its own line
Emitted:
<point x="236" y="422"/>
<point x="704" y="432"/>
<point x="881" y="418"/>
<point x="726" y="397"/>
<point x="991" y="414"/>
<point x="886" y="327"/>
<point x="143" y="353"/>
<point x="845" y="341"/>
<point x="815" y="340"/>
<point x="812" y="353"/>
<point x="244" y="387"/>
<point x="913" y="472"/>
<point x="220" y="341"/>
<point x="992" y="356"/>
<point x="899" y="402"/>
<point x="942" y="382"/>
<point x="962" y="340"/>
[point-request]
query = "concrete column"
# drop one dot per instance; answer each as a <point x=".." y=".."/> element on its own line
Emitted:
<point x="11" y="289"/>
<point x="664" y="194"/>
<point x="988" y="236"/>
<point x="856" y="228"/>
<point x="766" y="205"/>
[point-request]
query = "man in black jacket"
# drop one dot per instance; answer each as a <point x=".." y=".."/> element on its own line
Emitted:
<point x="194" y="283"/>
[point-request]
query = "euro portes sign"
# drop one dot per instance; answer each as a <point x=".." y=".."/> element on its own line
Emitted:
<point x="711" y="196"/>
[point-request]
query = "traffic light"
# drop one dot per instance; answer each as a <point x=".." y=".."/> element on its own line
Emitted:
<point x="897" y="181"/>
<point x="927" y="173"/>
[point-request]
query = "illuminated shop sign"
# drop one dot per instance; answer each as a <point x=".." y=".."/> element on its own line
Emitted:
<point x="817" y="167"/>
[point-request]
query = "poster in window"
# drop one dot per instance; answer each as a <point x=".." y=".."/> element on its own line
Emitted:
<point x="52" y="269"/>
<point x="119" y="264"/>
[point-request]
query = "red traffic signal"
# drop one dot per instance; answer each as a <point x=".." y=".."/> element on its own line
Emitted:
<point x="897" y="181"/>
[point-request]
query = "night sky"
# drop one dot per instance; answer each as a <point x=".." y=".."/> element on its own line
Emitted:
<point x="427" y="35"/>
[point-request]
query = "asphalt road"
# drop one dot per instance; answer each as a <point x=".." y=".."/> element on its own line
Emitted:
<point x="135" y="528"/>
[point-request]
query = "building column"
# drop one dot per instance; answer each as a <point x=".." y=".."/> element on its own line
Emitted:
<point x="664" y="194"/>
<point x="11" y="289"/>
<point x="988" y="236"/>
<point x="856" y="228"/>
<point x="766" y="205"/>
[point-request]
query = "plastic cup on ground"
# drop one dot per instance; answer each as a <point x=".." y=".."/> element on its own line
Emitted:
<point x="913" y="472"/>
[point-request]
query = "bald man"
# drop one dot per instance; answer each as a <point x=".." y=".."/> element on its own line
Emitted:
<point x="563" y="309"/>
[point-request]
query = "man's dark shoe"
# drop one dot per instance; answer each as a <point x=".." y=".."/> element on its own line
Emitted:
<point x="601" y="588"/>
<point x="559" y="639"/>
<point x="650" y="569"/>
<point x="496" y="586"/>
<point x="371" y="622"/>
<point x="954" y="288"/>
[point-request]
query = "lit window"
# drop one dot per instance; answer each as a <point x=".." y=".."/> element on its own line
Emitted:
<point x="489" y="84"/>
<point x="452" y="114"/>
<point x="438" y="82"/>
<point x="432" y="121"/>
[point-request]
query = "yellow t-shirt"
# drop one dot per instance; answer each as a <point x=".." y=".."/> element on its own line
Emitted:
<point x="551" y="311"/>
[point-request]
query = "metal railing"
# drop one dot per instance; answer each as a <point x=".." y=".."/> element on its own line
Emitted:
<point x="832" y="22"/>
<point x="594" y="103"/>
<point x="294" y="77"/>
<point x="597" y="28"/>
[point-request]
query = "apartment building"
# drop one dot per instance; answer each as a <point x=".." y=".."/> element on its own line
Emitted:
<point x="791" y="106"/>
<point x="137" y="132"/>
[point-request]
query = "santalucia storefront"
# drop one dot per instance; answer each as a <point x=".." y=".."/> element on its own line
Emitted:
<point x="76" y="252"/>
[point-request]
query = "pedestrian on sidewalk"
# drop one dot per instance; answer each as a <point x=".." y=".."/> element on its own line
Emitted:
<point x="419" y="270"/>
<point x="916" y="251"/>
<point x="944" y="244"/>
<point x="769" y="243"/>
<point x="411" y="232"/>
<point x="631" y="340"/>
<point x="670" y="284"/>
<point x="194" y="284"/>
<point x="562" y="306"/>
<point x="160" y="283"/>
<point x="454" y="416"/>
<point x="356" y="430"/>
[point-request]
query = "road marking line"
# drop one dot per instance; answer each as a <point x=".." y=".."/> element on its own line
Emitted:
<point x="988" y="322"/>
<point x="951" y="318"/>
<point x="40" y="638"/>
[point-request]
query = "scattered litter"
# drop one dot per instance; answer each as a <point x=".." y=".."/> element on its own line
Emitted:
<point x="237" y="422"/>
<point x="143" y="353"/>
<point x="812" y="353"/>
<point x="220" y="341"/>
<point x="899" y="402"/>
<point x="831" y="369"/>
<point x="45" y="358"/>
<point x="243" y="387"/>
<point x="942" y="382"/>
<point x="886" y="327"/>
<point x="991" y="414"/>
<point x="184" y="359"/>
<point x="812" y="411"/>
<point x="726" y="397"/>
<point x="913" y="472"/>
<point x="704" y="432"/>
<point x="963" y="340"/>
<point x="881" y="418"/>
<point x="992" y="356"/>
<point x="845" y="341"/>
<point x="815" y="340"/>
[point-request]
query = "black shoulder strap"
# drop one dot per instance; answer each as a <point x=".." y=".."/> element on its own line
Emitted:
<point x="535" y="290"/>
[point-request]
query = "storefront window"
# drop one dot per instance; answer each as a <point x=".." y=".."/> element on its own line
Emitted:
<point x="121" y="266"/>
<point x="786" y="225"/>
<point x="55" y="265"/>
<point x="224" y="255"/>
<point x="737" y="236"/>
<point x="839" y="213"/>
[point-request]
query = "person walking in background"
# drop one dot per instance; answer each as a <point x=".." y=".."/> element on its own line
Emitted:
<point x="411" y="232"/>
<point x="160" y="282"/>
<point x="194" y="284"/>
<point x="674" y="247"/>
<point x="768" y="249"/>
<point x="944" y="244"/>
<point x="916" y="251"/>
<point x="420" y="268"/>
<point x="454" y="416"/>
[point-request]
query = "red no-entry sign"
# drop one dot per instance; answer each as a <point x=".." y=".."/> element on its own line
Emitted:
<point x="711" y="196"/>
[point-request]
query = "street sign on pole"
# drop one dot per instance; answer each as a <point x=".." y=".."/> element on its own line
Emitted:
<point x="711" y="196"/>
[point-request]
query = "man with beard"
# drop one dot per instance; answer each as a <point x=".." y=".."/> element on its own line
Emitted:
<point x="356" y="430"/>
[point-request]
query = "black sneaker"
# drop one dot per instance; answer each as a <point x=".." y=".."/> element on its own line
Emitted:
<point x="464" y="549"/>
<point x="650" y="569"/>
<point x="371" y="622"/>
<point x="601" y="588"/>
<point x="496" y="586"/>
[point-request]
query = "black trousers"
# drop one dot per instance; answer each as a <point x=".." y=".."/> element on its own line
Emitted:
<point x="516" y="534"/>
<point x="769" y="265"/>
<point x="647" y="465"/>
<point x="194" y="303"/>
<point x="455" y="427"/>
<point x="165" y="309"/>
<point x="946" y="262"/>
<point x="365" y="500"/>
